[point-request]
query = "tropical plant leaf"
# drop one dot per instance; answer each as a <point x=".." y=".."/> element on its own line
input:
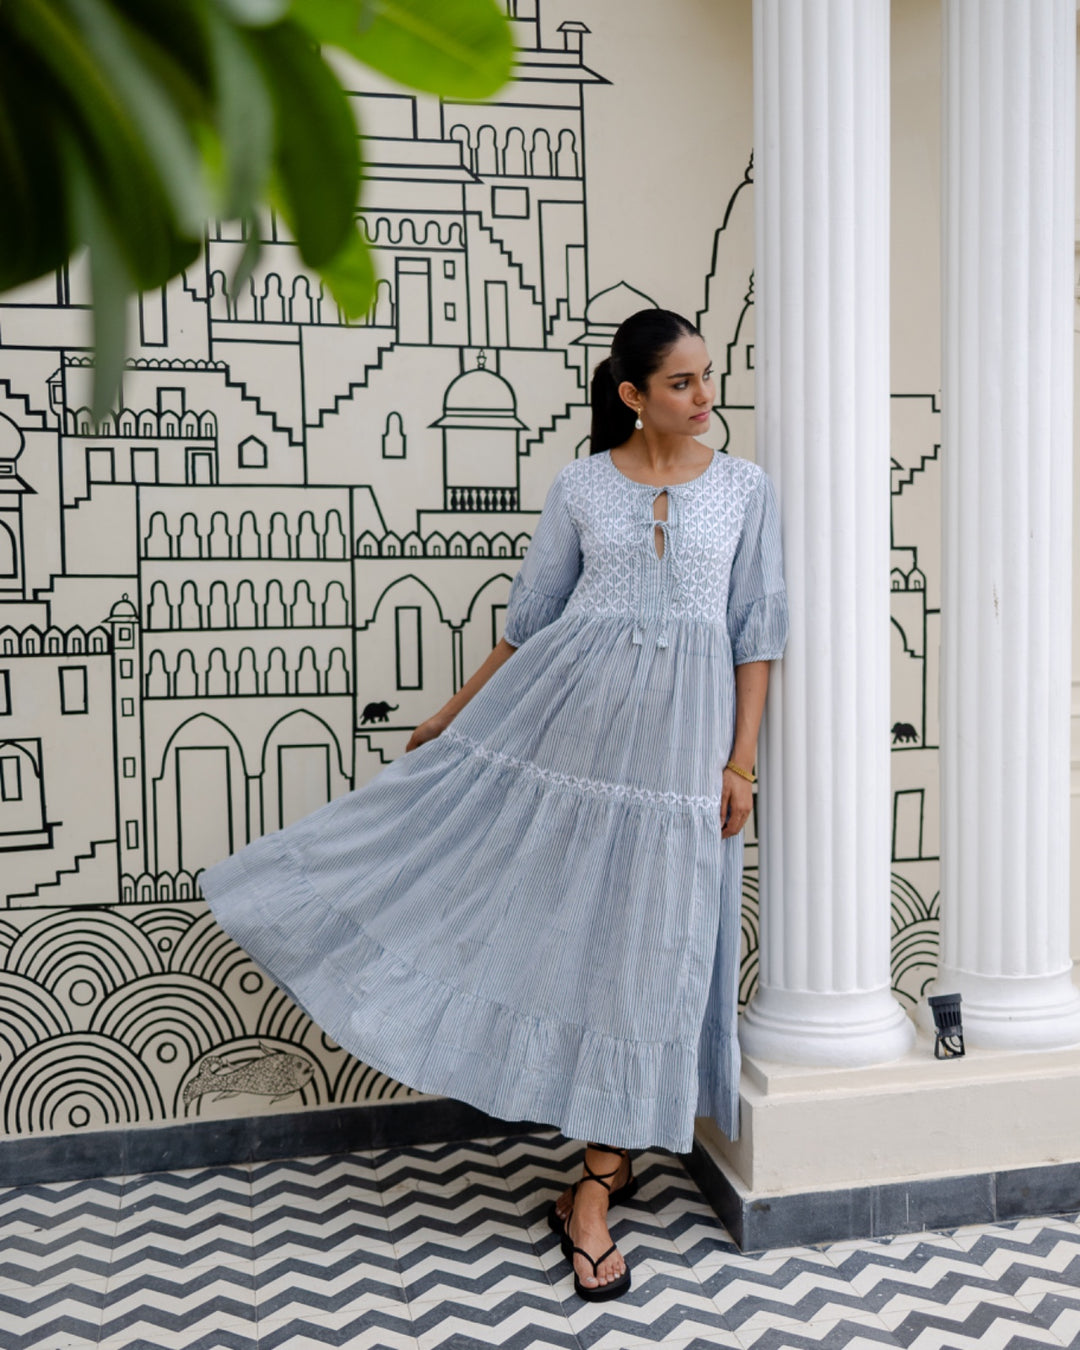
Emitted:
<point x="317" y="156"/>
<point x="110" y="280"/>
<point x="160" y="124"/>
<point x="458" y="48"/>
<point x="350" y="277"/>
<point x="34" y="233"/>
<point x="245" y="117"/>
<point x="253" y="13"/>
<point x="113" y="150"/>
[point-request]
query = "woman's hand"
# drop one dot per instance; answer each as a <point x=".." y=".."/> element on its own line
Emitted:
<point x="736" y="803"/>
<point x="427" y="731"/>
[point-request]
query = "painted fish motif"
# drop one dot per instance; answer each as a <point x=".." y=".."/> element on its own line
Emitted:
<point x="275" y="1074"/>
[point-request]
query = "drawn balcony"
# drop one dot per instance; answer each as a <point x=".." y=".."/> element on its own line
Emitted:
<point x="480" y="499"/>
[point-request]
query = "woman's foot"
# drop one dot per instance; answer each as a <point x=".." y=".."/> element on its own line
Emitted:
<point x="601" y="1160"/>
<point x="587" y="1229"/>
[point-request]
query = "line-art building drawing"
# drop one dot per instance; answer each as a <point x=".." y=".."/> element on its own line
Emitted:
<point x="290" y="541"/>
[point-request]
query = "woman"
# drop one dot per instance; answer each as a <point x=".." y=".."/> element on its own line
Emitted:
<point x="536" y="910"/>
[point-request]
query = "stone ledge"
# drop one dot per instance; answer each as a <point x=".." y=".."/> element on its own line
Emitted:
<point x="758" y="1223"/>
<point x="75" y="1156"/>
<point x="830" y="1154"/>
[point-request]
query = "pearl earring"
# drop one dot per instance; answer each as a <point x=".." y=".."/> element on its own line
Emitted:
<point x="638" y="424"/>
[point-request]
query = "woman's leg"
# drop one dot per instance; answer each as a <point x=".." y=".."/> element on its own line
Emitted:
<point x="585" y="1207"/>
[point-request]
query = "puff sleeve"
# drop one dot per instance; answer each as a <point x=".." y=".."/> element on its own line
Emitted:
<point x="757" y="601"/>
<point x="548" y="573"/>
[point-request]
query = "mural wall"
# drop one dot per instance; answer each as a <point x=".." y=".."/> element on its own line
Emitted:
<point x="290" y="542"/>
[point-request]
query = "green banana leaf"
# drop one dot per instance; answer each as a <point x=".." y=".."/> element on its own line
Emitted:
<point x="126" y="125"/>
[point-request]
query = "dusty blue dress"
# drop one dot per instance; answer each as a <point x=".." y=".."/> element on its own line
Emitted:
<point x="535" y="912"/>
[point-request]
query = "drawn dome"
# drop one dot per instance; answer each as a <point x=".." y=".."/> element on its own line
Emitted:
<point x="123" y="611"/>
<point x="607" y="309"/>
<point x="618" y="302"/>
<point x="11" y="440"/>
<point x="480" y="398"/>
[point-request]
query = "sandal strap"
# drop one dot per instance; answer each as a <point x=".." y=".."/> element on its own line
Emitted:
<point x="594" y="1262"/>
<point x="601" y="1177"/>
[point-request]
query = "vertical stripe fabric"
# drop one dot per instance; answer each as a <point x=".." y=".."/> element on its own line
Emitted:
<point x="535" y="912"/>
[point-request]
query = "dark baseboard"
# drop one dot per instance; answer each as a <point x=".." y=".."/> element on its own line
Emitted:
<point x="758" y="1223"/>
<point x="215" y="1143"/>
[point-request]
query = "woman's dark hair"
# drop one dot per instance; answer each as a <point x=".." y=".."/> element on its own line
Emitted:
<point x="637" y="350"/>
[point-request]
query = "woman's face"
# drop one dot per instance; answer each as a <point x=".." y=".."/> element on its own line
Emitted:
<point x="679" y="396"/>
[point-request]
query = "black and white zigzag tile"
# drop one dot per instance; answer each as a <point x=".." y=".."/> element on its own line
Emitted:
<point x="448" y="1248"/>
<point x="60" y="1317"/>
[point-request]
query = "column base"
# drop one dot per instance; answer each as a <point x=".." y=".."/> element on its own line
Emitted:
<point x="1011" y="1012"/>
<point x="830" y="1154"/>
<point x="841" y="1030"/>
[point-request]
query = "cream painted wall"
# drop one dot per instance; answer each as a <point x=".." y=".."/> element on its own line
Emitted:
<point x="280" y="590"/>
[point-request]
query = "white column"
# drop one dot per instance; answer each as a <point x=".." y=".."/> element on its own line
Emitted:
<point x="821" y="96"/>
<point x="1006" y="519"/>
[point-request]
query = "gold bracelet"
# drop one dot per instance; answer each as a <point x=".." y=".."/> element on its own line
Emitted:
<point x="750" y="776"/>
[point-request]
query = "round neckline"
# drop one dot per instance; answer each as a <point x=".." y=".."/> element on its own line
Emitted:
<point x="664" y="487"/>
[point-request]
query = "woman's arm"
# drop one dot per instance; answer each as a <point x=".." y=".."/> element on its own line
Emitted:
<point x="427" y="731"/>
<point x="737" y="795"/>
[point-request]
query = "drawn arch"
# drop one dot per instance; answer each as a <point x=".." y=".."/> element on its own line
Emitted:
<point x="80" y="958"/>
<point x="200" y="812"/>
<point x="302" y="768"/>
<point x="405" y="649"/>
<point x="484" y="621"/>
<point x="404" y="581"/>
<point x="22" y="808"/>
<point x="9" y="553"/>
<point x="79" y="1081"/>
<point x="29" y="1014"/>
<point x="169" y="1021"/>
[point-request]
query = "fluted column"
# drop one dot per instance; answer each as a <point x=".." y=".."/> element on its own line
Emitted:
<point x="821" y="95"/>
<point x="1006" y="519"/>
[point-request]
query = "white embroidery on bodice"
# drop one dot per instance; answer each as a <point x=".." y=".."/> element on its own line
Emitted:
<point x="622" y="576"/>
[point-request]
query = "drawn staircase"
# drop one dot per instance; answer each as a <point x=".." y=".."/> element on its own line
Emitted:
<point x="242" y="389"/>
<point x="93" y="880"/>
<point x="30" y="418"/>
<point x="350" y="390"/>
<point x="904" y="478"/>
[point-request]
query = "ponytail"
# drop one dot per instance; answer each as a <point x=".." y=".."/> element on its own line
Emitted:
<point x="612" y="420"/>
<point x="637" y="350"/>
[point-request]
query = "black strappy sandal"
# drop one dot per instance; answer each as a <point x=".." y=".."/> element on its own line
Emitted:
<point x="616" y="1197"/>
<point x="615" y="1288"/>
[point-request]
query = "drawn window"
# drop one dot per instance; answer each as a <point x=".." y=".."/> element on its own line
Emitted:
<point x="907" y="825"/>
<point x="129" y="767"/>
<point x="5" y="692"/>
<point x="127" y="707"/>
<point x="131" y="829"/>
<point x="100" y="467"/>
<point x="511" y="202"/>
<point x="498" y="622"/>
<point x="252" y="453"/>
<point x="73" y="689"/>
<point x="144" y="464"/>
<point x="409" y="671"/>
<point x="449" y="310"/>
<point x="127" y="667"/>
<point x="449" y="269"/>
<point x="10" y="779"/>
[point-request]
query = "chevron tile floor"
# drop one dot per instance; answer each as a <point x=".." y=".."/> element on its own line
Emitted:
<point x="446" y="1247"/>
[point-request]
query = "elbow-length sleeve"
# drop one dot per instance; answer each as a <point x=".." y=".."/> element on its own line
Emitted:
<point x="757" y="600"/>
<point x="548" y="573"/>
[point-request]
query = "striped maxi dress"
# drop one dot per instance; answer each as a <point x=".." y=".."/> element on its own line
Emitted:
<point x="535" y="912"/>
